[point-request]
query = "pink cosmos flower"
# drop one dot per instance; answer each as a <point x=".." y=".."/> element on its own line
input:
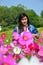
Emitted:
<point x="40" y="53"/>
<point x="27" y="52"/>
<point x="23" y="46"/>
<point x="40" y="40"/>
<point x="26" y="39"/>
<point x="14" y="42"/>
<point x="9" y="47"/>
<point x="41" y="47"/>
<point x="10" y="54"/>
<point x="15" y="35"/>
<point x="1" y="56"/>
<point x="7" y="60"/>
<point x="16" y="57"/>
<point x="41" y="59"/>
<point x="34" y="46"/>
<point x="3" y="50"/>
<point x="3" y="36"/>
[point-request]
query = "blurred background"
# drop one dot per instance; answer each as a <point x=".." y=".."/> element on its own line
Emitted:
<point x="10" y="9"/>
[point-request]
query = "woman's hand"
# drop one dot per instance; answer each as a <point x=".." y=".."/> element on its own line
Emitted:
<point x="35" y="35"/>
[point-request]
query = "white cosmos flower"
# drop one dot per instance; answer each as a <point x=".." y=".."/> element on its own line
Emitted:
<point x="0" y="28"/>
<point x="16" y="50"/>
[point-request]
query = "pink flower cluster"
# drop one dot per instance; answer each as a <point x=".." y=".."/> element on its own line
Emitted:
<point x="6" y="57"/>
<point x="22" y="46"/>
<point x="28" y="45"/>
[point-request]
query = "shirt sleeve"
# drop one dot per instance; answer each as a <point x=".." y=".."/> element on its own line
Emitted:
<point x="33" y="30"/>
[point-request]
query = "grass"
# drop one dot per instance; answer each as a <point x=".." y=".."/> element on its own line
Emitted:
<point x="40" y="29"/>
<point x="8" y="35"/>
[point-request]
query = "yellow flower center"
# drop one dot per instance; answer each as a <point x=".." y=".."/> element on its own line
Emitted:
<point x="5" y="64"/>
<point x="25" y="38"/>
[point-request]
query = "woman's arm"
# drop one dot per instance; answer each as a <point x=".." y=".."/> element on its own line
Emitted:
<point x="34" y="31"/>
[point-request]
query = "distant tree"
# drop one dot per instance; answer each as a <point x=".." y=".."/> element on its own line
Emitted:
<point x="32" y="16"/>
<point x="4" y="14"/>
<point x="42" y="13"/>
<point x="9" y="16"/>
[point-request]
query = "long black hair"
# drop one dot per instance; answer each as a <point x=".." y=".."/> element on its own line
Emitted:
<point x="20" y="25"/>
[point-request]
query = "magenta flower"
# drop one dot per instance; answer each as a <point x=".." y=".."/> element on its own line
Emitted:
<point x="41" y="59"/>
<point x="3" y="50"/>
<point x="14" y="42"/>
<point x="27" y="52"/>
<point x="1" y="56"/>
<point x="9" y="47"/>
<point x="10" y="54"/>
<point x="40" y="53"/>
<point x="41" y="47"/>
<point x="16" y="57"/>
<point x="15" y="35"/>
<point x="23" y="46"/>
<point x="40" y="40"/>
<point x="26" y="39"/>
<point x="34" y="46"/>
<point x="7" y="60"/>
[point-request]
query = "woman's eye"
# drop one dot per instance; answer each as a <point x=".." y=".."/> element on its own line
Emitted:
<point x="23" y="19"/>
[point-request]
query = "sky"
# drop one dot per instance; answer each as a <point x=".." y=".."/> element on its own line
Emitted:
<point x="36" y="5"/>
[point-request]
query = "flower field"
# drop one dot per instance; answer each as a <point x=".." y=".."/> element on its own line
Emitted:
<point x="22" y="46"/>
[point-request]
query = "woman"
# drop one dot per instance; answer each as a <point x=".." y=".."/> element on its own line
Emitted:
<point x="23" y="25"/>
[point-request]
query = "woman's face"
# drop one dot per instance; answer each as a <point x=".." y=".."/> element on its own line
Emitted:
<point x="24" y="20"/>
